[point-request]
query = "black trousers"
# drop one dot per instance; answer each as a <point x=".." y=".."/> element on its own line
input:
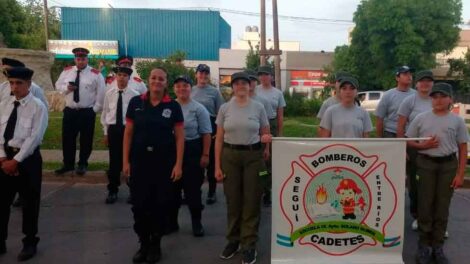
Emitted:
<point x="151" y="189"/>
<point x="115" y="140"/>
<point x="75" y="122"/>
<point x="28" y="185"/>
<point x="191" y="182"/>
<point x="210" y="171"/>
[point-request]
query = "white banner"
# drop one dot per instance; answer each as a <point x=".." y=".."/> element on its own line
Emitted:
<point x="338" y="201"/>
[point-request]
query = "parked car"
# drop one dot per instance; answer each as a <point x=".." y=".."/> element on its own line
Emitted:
<point x="370" y="99"/>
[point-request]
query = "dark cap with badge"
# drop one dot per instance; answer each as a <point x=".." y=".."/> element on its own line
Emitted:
<point x="125" y="59"/>
<point x="203" y="68"/>
<point x="443" y="88"/>
<point x="349" y="79"/>
<point x="126" y="70"/>
<point x="403" y="69"/>
<point x="265" y="70"/>
<point x="252" y="74"/>
<point x="80" y="52"/>
<point x="22" y="73"/>
<point x="183" y="78"/>
<point x="427" y="74"/>
<point x="240" y="76"/>
<point x="12" y="62"/>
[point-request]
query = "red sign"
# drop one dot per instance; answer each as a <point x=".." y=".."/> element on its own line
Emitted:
<point x="307" y="75"/>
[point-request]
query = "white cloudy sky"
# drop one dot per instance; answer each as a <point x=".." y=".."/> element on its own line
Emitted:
<point x="312" y="35"/>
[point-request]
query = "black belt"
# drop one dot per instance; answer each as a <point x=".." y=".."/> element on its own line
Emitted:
<point x="256" y="146"/>
<point x="79" y="109"/>
<point x="439" y="159"/>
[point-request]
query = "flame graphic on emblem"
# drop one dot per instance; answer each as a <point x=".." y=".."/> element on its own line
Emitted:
<point x="322" y="195"/>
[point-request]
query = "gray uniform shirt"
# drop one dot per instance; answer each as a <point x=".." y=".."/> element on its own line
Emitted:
<point x="196" y="120"/>
<point x="326" y="104"/>
<point x="388" y="107"/>
<point x="267" y="106"/>
<point x="242" y="124"/>
<point x="274" y="96"/>
<point x="450" y="130"/>
<point x="346" y="122"/>
<point x="209" y="97"/>
<point x="414" y="105"/>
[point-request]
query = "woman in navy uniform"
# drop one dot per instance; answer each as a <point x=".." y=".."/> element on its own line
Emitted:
<point x="153" y="158"/>
<point x="197" y="132"/>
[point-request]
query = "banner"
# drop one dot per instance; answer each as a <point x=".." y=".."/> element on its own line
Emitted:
<point x="338" y="201"/>
<point x="98" y="48"/>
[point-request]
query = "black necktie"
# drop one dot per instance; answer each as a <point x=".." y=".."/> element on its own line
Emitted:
<point x="76" y="92"/>
<point x="10" y="129"/>
<point x="119" y="121"/>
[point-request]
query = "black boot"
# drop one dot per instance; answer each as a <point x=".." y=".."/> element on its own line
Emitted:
<point x="172" y="224"/>
<point x="155" y="252"/>
<point x="198" y="230"/>
<point x="29" y="248"/>
<point x="141" y="255"/>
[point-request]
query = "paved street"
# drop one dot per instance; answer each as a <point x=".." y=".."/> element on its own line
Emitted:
<point x="76" y="227"/>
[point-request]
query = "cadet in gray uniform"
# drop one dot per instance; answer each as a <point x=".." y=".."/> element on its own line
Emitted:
<point x="410" y="107"/>
<point x="197" y="133"/>
<point x="387" y="110"/>
<point x="332" y="100"/>
<point x="211" y="99"/>
<point x="441" y="165"/>
<point x="346" y="119"/>
<point x="253" y="83"/>
<point x="239" y="156"/>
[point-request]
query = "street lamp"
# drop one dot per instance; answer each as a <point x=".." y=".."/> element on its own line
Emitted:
<point x="125" y="28"/>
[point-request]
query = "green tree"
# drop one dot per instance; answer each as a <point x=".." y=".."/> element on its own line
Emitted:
<point x="460" y="70"/>
<point x="11" y="17"/>
<point x="252" y="58"/>
<point x="389" y="33"/>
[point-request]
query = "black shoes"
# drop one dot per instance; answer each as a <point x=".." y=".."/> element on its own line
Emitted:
<point x="81" y="170"/>
<point x="230" y="250"/>
<point x="112" y="198"/>
<point x="63" y="170"/>
<point x="198" y="230"/>
<point x="249" y="256"/>
<point x="155" y="252"/>
<point x="141" y="255"/>
<point x="211" y="199"/>
<point x="424" y="255"/>
<point x="28" y="252"/>
<point x="3" y="247"/>
<point x="439" y="256"/>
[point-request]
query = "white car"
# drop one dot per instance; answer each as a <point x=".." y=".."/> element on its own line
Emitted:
<point x="370" y="99"/>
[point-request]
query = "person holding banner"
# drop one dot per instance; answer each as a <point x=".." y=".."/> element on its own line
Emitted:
<point x="346" y="119"/>
<point x="197" y="127"/>
<point x="386" y="112"/>
<point x="239" y="157"/>
<point x="441" y="166"/>
<point x="152" y="161"/>
<point x="413" y="105"/>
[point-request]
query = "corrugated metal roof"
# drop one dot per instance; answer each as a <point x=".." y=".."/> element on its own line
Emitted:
<point x="151" y="33"/>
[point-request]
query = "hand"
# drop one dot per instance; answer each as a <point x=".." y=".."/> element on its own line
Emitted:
<point x="266" y="138"/>
<point x="266" y="154"/>
<point x="71" y="88"/>
<point x="457" y="182"/>
<point x="204" y="161"/>
<point x="10" y="167"/>
<point x="433" y="142"/>
<point x="219" y="175"/>
<point x="176" y="173"/>
<point x="126" y="171"/>
<point x="105" y="141"/>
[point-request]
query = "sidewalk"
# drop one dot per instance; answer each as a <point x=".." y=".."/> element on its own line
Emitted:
<point x="55" y="155"/>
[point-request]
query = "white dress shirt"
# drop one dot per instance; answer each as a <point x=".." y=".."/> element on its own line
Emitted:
<point x="92" y="88"/>
<point x="31" y="125"/>
<point x="108" y="116"/>
<point x="134" y="82"/>
<point x="5" y="92"/>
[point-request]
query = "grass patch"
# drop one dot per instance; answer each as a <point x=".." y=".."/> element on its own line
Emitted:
<point x="95" y="166"/>
<point x="53" y="137"/>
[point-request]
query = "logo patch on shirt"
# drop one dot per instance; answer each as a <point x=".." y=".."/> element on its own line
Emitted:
<point x="166" y="113"/>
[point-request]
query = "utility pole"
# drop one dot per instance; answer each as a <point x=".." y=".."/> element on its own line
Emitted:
<point x="263" y="33"/>
<point x="277" y="57"/>
<point x="46" y="24"/>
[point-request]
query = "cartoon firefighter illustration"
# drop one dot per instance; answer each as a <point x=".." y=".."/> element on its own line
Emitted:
<point x="348" y="189"/>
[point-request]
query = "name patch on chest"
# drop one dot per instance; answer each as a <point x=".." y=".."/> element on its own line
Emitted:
<point x="166" y="113"/>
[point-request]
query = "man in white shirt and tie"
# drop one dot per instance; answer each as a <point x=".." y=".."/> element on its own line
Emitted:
<point x="23" y="122"/>
<point x="83" y="88"/>
<point x="134" y="82"/>
<point x="115" y="105"/>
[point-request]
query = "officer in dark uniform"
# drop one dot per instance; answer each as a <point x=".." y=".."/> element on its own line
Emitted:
<point x="153" y="158"/>
<point x="24" y="122"/>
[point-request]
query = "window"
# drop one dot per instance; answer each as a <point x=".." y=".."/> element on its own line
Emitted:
<point x="374" y="96"/>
